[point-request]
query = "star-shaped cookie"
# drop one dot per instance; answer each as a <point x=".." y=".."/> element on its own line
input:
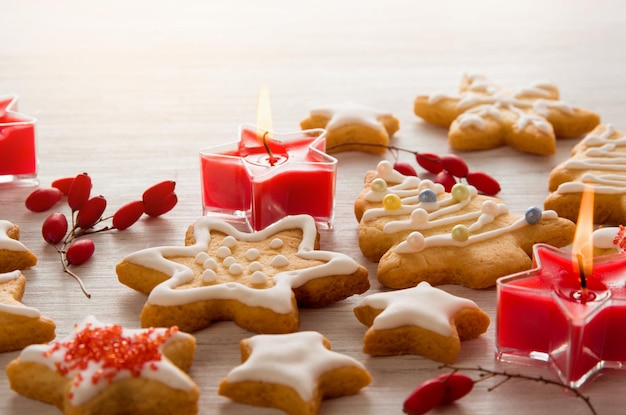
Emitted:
<point x="21" y="325"/>
<point x="255" y="279"/>
<point x="351" y="126"/>
<point x="104" y="368"/>
<point x="483" y="116"/>
<point x="422" y="320"/>
<point x="418" y="232"/>
<point x="13" y="254"/>
<point x="599" y="162"/>
<point x="292" y="372"/>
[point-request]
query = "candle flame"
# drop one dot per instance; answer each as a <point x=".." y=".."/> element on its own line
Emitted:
<point x="263" y="115"/>
<point x="582" y="248"/>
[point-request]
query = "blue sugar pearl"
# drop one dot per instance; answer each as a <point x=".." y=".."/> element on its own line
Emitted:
<point x="533" y="215"/>
<point x="427" y="196"/>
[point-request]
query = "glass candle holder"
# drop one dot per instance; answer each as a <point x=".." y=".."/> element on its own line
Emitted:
<point x="18" y="161"/>
<point x="256" y="182"/>
<point x="544" y="315"/>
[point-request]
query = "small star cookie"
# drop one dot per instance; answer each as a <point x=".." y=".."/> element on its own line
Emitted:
<point x="292" y="372"/>
<point x="255" y="279"/>
<point x="13" y="254"/>
<point x="353" y="127"/>
<point x="417" y="231"/>
<point x="422" y="320"/>
<point x="108" y="369"/>
<point x="484" y="116"/>
<point x="599" y="162"/>
<point x="21" y="325"/>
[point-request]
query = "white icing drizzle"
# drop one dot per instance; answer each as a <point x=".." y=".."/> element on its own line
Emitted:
<point x="424" y="306"/>
<point x="16" y="308"/>
<point x="277" y="297"/>
<point x="162" y="371"/>
<point x="349" y="113"/>
<point x="8" y="243"/>
<point x="296" y="360"/>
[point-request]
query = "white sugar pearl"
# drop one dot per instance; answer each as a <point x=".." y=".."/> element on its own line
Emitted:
<point x="252" y="254"/>
<point x="228" y="261"/>
<point x="222" y="252"/>
<point x="209" y="275"/>
<point x="210" y="264"/>
<point x="229" y="241"/>
<point x="279" y="261"/>
<point x="276" y="243"/>
<point x="255" y="266"/>
<point x="258" y="278"/>
<point x="201" y="257"/>
<point x="235" y="269"/>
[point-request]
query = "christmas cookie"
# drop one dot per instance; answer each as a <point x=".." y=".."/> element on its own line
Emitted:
<point x="107" y="369"/>
<point x="13" y="254"/>
<point x="418" y="232"/>
<point x="421" y="320"/>
<point x="599" y="162"/>
<point x="255" y="279"/>
<point x="350" y="123"/>
<point x="482" y="116"/>
<point x="21" y="325"/>
<point x="292" y="372"/>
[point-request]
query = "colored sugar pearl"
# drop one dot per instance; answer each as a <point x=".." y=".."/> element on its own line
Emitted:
<point x="533" y="215"/>
<point x="427" y="196"/>
<point x="460" y="192"/>
<point x="392" y="202"/>
<point x="460" y="233"/>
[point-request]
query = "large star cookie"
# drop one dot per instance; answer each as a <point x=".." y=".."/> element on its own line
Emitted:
<point x="599" y="162"/>
<point x="421" y="320"/>
<point x="255" y="279"/>
<point x="484" y="116"/>
<point x="353" y="127"/>
<point x="102" y="368"/>
<point x="21" y="325"/>
<point x="13" y="254"/>
<point x="292" y="372"/>
<point x="418" y="232"/>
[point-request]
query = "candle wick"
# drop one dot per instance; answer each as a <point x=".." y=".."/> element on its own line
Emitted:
<point x="268" y="149"/>
<point x="583" y="278"/>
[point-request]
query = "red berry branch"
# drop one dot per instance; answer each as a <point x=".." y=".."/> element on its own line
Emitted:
<point x="87" y="213"/>
<point x="447" y="168"/>
<point x="449" y="387"/>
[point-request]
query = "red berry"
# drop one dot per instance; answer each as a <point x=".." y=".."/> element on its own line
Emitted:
<point x="91" y="212"/>
<point x="79" y="191"/>
<point x="430" y="162"/>
<point x="424" y="398"/>
<point x="158" y="192"/>
<point x="446" y="179"/>
<point x="162" y="206"/>
<point x="54" y="228"/>
<point x="404" y="168"/>
<point x="80" y="251"/>
<point x="41" y="200"/>
<point x="63" y="184"/>
<point x="455" y="165"/>
<point x="457" y="385"/>
<point x="483" y="182"/>
<point x="128" y="214"/>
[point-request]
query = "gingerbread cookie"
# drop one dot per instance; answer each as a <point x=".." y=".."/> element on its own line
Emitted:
<point x="484" y="116"/>
<point x="21" y="325"/>
<point x="418" y="232"/>
<point x="13" y="254"/>
<point x="422" y="320"/>
<point x="255" y="279"/>
<point x="107" y="369"/>
<point x="292" y="372"/>
<point x="598" y="161"/>
<point x="349" y="123"/>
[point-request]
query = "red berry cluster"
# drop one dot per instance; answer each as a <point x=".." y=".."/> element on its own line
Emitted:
<point x="442" y="390"/>
<point x="447" y="170"/>
<point x="87" y="213"/>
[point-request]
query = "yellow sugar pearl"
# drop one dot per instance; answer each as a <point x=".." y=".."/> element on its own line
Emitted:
<point x="460" y="233"/>
<point x="379" y="185"/>
<point x="460" y="192"/>
<point x="392" y="202"/>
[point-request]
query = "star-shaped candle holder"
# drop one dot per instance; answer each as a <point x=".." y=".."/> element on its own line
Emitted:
<point x="266" y="176"/>
<point x="543" y="315"/>
<point x="18" y="162"/>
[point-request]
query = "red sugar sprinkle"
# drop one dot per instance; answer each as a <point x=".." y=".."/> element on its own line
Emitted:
<point x="620" y="239"/>
<point x="111" y="350"/>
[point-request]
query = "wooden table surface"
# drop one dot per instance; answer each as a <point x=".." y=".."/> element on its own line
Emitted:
<point x="130" y="91"/>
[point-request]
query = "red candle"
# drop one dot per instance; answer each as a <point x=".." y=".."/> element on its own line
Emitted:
<point x="18" y="163"/>
<point x="541" y="315"/>
<point x="242" y="180"/>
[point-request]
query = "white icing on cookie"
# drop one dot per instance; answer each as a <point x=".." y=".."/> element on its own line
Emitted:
<point x="349" y="113"/>
<point x="16" y="308"/>
<point x="8" y="243"/>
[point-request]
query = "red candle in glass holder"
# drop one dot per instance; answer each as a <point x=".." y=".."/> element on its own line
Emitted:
<point x="18" y="162"/>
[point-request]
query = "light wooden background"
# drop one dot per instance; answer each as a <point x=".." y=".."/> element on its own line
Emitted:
<point x="130" y="91"/>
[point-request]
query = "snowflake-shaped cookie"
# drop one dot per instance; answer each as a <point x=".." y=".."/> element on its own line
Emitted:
<point x="13" y="254"/>
<point x="484" y="116"/>
<point x="255" y="279"/>
<point x="422" y="320"/>
<point x="292" y="372"/>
